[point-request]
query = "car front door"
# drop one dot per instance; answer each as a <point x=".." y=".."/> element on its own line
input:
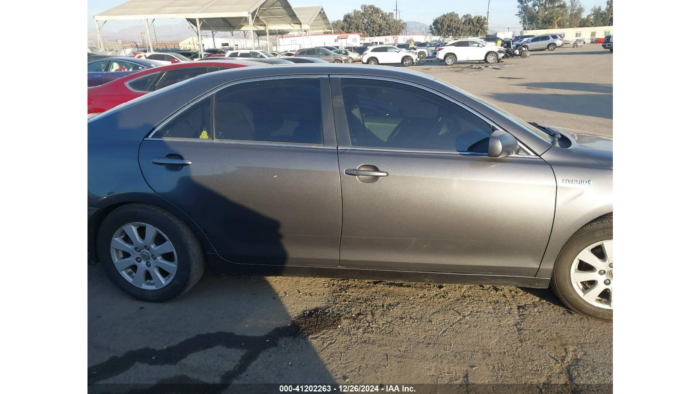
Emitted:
<point x="393" y="55"/>
<point x="420" y="192"/>
<point x="260" y="174"/>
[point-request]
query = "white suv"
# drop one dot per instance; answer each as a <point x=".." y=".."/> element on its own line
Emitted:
<point x="469" y="50"/>
<point x="389" y="54"/>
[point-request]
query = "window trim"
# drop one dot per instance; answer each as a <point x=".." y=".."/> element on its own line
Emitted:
<point x="128" y="86"/>
<point x="339" y="113"/>
<point x="326" y="115"/>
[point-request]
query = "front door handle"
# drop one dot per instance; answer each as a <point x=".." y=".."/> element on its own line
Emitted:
<point x="167" y="161"/>
<point x="354" y="172"/>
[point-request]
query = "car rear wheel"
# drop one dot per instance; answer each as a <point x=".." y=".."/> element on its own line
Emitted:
<point x="148" y="253"/>
<point x="583" y="273"/>
<point x="551" y="47"/>
<point x="373" y="61"/>
<point x="491" y="57"/>
<point x="337" y="61"/>
<point x="450" y="59"/>
<point x="407" y="61"/>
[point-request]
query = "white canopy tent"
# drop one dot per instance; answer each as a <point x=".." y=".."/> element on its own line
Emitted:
<point x="217" y="15"/>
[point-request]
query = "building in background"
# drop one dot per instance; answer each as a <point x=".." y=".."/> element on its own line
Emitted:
<point x="190" y="44"/>
<point x="574" y="33"/>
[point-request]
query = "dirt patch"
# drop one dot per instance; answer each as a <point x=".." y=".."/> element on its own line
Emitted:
<point x="316" y="320"/>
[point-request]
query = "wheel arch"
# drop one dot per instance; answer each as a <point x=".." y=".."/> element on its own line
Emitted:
<point x="109" y="204"/>
<point x="561" y="236"/>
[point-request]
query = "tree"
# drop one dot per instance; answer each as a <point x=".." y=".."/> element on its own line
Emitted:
<point x="541" y="14"/>
<point x="371" y="21"/>
<point x="576" y="11"/>
<point x="448" y="25"/>
<point x="338" y="27"/>
<point x="609" y="13"/>
<point x="597" y="16"/>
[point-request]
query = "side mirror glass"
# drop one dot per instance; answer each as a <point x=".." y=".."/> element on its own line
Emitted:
<point x="502" y="144"/>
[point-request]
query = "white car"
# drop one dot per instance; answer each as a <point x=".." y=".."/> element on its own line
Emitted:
<point x="389" y="54"/>
<point x="469" y="50"/>
<point x="163" y="58"/>
<point x="249" y="53"/>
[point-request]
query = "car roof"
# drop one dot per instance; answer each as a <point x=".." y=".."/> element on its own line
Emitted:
<point x="143" y="62"/>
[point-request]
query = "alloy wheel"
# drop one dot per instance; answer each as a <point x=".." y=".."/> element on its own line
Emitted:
<point x="592" y="274"/>
<point x="491" y="58"/>
<point x="144" y="256"/>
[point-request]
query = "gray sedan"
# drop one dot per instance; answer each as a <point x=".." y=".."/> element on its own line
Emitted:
<point x="345" y="171"/>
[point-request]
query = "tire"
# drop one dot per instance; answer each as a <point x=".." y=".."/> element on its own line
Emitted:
<point x="590" y="243"/>
<point x="337" y="61"/>
<point x="525" y="53"/>
<point x="611" y="50"/>
<point x="350" y="60"/>
<point x="421" y="55"/>
<point x="407" y="61"/>
<point x="491" y="57"/>
<point x="450" y="59"/>
<point x="186" y="261"/>
<point x="372" y="61"/>
<point x="551" y="47"/>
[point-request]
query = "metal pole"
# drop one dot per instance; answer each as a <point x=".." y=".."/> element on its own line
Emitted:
<point x="488" y="8"/>
<point x="199" y="38"/>
<point x="250" y="26"/>
<point x="100" y="43"/>
<point x="191" y="46"/>
<point x="153" y="22"/>
<point x="267" y="33"/>
<point x="148" y="33"/>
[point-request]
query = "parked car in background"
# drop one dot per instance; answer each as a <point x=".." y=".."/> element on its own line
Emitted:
<point x="543" y="41"/>
<point x="302" y="60"/>
<point x="322" y="53"/>
<point x="330" y="48"/>
<point x="521" y="39"/>
<point x="422" y="52"/>
<point x="268" y="170"/>
<point x="288" y="53"/>
<point x="466" y="50"/>
<point x="266" y="60"/>
<point x="608" y="43"/>
<point x="352" y="56"/>
<point x="92" y="57"/>
<point x="360" y="50"/>
<point x="250" y="53"/>
<point x="106" y="70"/>
<point x="107" y="96"/>
<point x="491" y="39"/>
<point x="389" y="54"/>
<point x="164" y="58"/>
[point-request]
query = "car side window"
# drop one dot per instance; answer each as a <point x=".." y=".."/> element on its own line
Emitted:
<point x="144" y="84"/>
<point x="391" y="49"/>
<point x="286" y="111"/>
<point x="381" y="49"/>
<point x="472" y="44"/>
<point x="255" y="54"/>
<point x="383" y="114"/>
<point x="120" y="66"/>
<point x="98" y="66"/>
<point x="244" y="54"/>
<point x="194" y="122"/>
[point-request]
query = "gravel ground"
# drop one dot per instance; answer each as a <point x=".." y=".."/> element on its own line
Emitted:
<point x="229" y="331"/>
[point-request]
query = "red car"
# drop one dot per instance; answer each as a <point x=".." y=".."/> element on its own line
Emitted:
<point x="104" y="97"/>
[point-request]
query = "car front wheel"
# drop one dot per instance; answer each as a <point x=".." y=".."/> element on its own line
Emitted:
<point x="148" y="253"/>
<point x="491" y="57"/>
<point x="583" y="273"/>
<point x="407" y="61"/>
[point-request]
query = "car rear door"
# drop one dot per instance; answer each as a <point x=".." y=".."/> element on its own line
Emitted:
<point x="421" y="194"/>
<point x="96" y="70"/>
<point x="255" y="165"/>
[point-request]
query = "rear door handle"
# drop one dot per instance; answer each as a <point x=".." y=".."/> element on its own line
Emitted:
<point x="354" y="172"/>
<point x="166" y="161"/>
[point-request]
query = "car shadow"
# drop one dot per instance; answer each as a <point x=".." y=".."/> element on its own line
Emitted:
<point x="573" y="86"/>
<point x="557" y="53"/>
<point x="596" y="105"/>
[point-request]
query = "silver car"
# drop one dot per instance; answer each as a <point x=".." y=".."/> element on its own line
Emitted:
<point x="345" y="171"/>
<point x="544" y="41"/>
<point x="323" y="53"/>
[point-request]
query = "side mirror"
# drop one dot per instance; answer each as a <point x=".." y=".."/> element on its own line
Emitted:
<point x="502" y="144"/>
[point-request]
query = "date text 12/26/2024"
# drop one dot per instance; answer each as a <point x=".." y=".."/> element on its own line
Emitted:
<point x="347" y="388"/>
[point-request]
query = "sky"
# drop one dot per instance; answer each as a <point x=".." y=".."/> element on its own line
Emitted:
<point x="502" y="13"/>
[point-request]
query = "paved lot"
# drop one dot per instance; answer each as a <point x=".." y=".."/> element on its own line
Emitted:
<point x="233" y="330"/>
